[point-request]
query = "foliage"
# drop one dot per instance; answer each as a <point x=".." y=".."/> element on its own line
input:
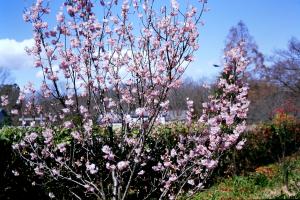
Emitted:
<point x="265" y="143"/>
<point x="5" y="119"/>
<point x="15" y="185"/>
<point x="243" y="187"/>
<point x="265" y="183"/>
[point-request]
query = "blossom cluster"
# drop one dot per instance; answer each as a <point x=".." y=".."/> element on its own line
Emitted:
<point x="192" y="160"/>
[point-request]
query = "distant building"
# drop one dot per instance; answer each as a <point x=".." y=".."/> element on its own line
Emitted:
<point x="175" y="115"/>
<point x="116" y="122"/>
<point x="26" y="121"/>
<point x="169" y="116"/>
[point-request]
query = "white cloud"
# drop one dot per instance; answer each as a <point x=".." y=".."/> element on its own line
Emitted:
<point x="13" y="55"/>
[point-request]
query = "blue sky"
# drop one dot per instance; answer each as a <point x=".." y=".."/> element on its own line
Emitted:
<point x="271" y="22"/>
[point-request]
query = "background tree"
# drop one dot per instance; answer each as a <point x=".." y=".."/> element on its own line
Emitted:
<point x="285" y="67"/>
<point x="265" y="98"/>
<point x="5" y="76"/>
<point x="194" y="90"/>
<point x="240" y="33"/>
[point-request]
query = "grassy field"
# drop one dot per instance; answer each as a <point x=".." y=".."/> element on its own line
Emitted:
<point x="266" y="182"/>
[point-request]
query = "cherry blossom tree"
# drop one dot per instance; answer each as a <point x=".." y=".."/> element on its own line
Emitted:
<point x="123" y="64"/>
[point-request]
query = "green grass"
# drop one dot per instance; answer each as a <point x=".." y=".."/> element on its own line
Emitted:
<point x="265" y="183"/>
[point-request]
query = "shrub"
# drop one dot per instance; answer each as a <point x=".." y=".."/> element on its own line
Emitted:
<point x="265" y="143"/>
<point x="16" y="176"/>
<point x="96" y="161"/>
